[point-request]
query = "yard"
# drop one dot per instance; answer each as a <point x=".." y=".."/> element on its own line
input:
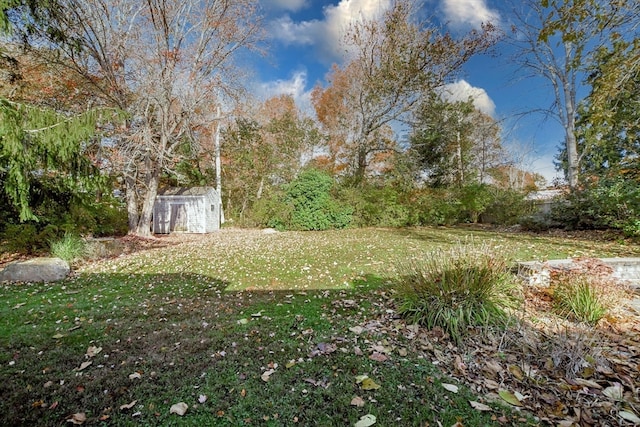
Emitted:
<point x="300" y="328"/>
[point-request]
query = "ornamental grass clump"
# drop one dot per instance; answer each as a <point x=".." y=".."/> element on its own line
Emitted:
<point x="70" y="248"/>
<point x="456" y="289"/>
<point x="584" y="298"/>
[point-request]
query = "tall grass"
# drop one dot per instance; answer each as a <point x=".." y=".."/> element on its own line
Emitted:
<point x="70" y="248"/>
<point x="466" y="286"/>
<point x="585" y="298"/>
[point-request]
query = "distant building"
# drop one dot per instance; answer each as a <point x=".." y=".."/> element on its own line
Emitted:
<point x="186" y="210"/>
<point x="545" y="199"/>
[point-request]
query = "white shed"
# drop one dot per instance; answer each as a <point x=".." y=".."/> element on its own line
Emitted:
<point x="186" y="210"/>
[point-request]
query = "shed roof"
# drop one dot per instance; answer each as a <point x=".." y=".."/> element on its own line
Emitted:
<point x="185" y="191"/>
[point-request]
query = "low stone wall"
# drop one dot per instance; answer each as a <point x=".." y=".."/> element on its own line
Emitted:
<point x="538" y="273"/>
<point x="104" y="247"/>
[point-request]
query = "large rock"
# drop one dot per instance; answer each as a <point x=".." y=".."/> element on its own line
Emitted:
<point x="35" y="270"/>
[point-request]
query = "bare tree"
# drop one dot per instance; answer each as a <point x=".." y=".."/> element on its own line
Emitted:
<point x="161" y="62"/>
<point x="555" y="40"/>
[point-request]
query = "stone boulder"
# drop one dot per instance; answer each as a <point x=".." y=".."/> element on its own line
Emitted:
<point x="35" y="270"/>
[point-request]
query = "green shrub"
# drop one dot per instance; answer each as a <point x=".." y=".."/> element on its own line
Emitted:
<point x="271" y="211"/>
<point x="508" y="207"/>
<point x="474" y="199"/>
<point x="437" y="207"/>
<point x="608" y="203"/>
<point x="23" y="238"/>
<point x="377" y="205"/>
<point x="463" y="287"/>
<point x="70" y="248"/>
<point x="110" y="219"/>
<point x="313" y="207"/>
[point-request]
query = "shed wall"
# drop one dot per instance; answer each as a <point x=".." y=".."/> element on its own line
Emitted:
<point x="187" y="213"/>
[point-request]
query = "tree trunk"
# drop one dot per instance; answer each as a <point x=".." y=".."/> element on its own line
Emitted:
<point x="572" y="146"/>
<point x="361" y="166"/>
<point x="132" y="201"/>
<point x="144" y="223"/>
<point x="260" y="189"/>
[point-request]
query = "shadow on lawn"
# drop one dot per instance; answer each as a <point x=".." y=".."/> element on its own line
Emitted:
<point x="174" y="331"/>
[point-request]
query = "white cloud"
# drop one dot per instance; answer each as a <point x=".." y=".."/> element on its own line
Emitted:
<point x="462" y="13"/>
<point x="462" y="91"/>
<point x="292" y="5"/>
<point x="300" y="33"/>
<point x="294" y="86"/>
<point x="326" y="34"/>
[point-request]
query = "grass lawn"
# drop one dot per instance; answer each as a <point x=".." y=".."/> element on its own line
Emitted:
<point x="249" y="328"/>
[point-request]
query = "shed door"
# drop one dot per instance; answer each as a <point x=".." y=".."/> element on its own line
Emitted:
<point x="178" y="217"/>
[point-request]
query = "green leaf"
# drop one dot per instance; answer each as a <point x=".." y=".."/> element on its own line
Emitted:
<point x="366" y="421"/>
<point x="509" y="397"/>
<point x="369" y="384"/>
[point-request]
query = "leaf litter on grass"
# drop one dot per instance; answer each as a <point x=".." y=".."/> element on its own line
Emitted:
<point x="179" y="300"/>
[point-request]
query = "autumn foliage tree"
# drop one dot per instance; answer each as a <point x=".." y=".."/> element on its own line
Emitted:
<point x="392" y="62"/>
<point x="265" y="147"/>
<point x="160" y="62"/>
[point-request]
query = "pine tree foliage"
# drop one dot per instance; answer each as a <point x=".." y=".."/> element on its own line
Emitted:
<point x="40" y="143"/>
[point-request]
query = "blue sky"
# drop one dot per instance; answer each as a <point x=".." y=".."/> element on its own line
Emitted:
<point x="304" y="40"/>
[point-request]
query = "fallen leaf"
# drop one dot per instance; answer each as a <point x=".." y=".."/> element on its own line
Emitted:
<point x="402" y="352"/>
<point x="587" y="383"/>
<point x="378" y="357"/>
<point x="243" y="321"/>
<point x="450" y="387"/>
<point x="493" y="367"/>
<point x="516" y="372"/>
<point x="179" y="408"/>
<point x="135" y="376"/>
<point x="479" y="406"/>
<point x="290" y="364"/>
<point x="357" y="329"/>
<point x="491" y="384"/>
<point x="77" y="418"/>
<point x="369" y="384"/>
<point x="93" y="351"/>
<point x="509" y="397"/>
<point x="267" y="374"/>
<point x="83" y="365"/>
<point x="321" y="383"/>
<point x="20" y="304"/>
<point x="629" y="416"/>
<point x="357" y="401"/>
<point x="58" y="336"/>
<point x="459" y="365"/>
<point x="361" y="378"/>
<point x="128" y="405"/>
<point x="366" y="421"/>
<point x="202" y="398"/>
<point x="614" y="392"/>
